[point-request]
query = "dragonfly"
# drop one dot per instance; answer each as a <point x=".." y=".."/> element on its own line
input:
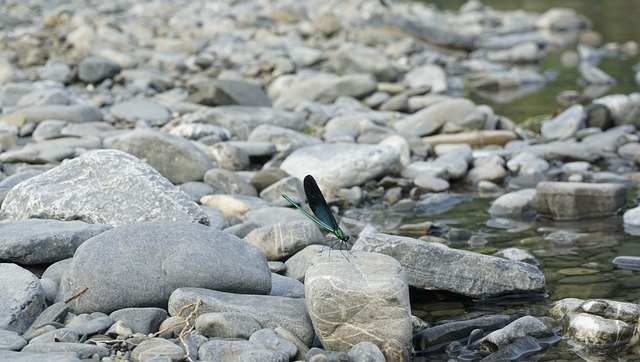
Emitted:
<point x="323" y="215"/>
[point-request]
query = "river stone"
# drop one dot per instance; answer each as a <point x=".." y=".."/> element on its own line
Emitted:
<point x="239" y="351"/>
<point x="223" y="92"/>
<point x="58" y="335"/>
<point x="140" y="320"/>
<point x="514" y="204"/>
<point x="228" y="156"/>
<point x="369" y="301"/>
<point x="297" y="265"/>
<point x="282" y="137"/>
<point x="155" y="348"/>
<point x="140" y="265"/>
<point x="42" y="97"/>
<point x="95" y="68"/>
<point x="284" y="286"/>
<point x="280" y="241"/>
<point x="270" y="338"/>
<point x="8" y="183"/>
<point x="71" y="113"/>
<point x="233" y="205"/>
<point x="228" y="182"/>
<point x="565" y="125"/>
<point x="83" y="350"/>
<point x="268" y="311"/>
<point x="226" y="325"/>
<point x="521" y="327"/>
<point x="578" y="200"/>
<point x="10" y="93"/>
<point x="354" y="58"/>
<point x="11" y="341"/>
<point x="430" y="119"/>
<point x="428" y="75"/>
<point x="366" y="352"/>
<point x="37" y="241"/>
<point x="291" y="90"/>
<point x="174" y="157"/>
<point x="140" y="109"/>
<point x="34" y="357"/>
<point x="341" y="165"/>
<point x="78" y="189"/>
<point x="21" y="298"/>
<point x="431" y="337"/>
<point x="241" y="120"/>
<point x="434" y="266"/>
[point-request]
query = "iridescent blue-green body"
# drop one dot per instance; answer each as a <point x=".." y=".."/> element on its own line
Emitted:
<point x="323" y="215"/>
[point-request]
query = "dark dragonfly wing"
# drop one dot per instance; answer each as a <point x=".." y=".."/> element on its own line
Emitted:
<point x="317" y="203"/>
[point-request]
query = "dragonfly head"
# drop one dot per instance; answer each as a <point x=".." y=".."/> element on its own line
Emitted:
<point x="341" y="235"/>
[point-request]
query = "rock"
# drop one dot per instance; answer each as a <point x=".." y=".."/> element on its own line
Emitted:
<point x="297" y="265"/>
<point x="358" y="59"/>
<point x="8" y="183"/>
<point x="341" y="165"/>
<point x="81" y="349"/>
<point x="521" y="327"/>
<point x="48" y="129"/>
<point x="366" y="352"/>
<point x="370" y="283"/>
<point x="241" y="120"/>
<point x="436" y="267"/>
<point x="90" y="325"/>
<point x="327" y="23"/>
<point x="11" y="341"/>
<point x="226" y="325"/>
<point x="10" y="93"/>
<point x="562" y="19"/>
<point x="282" y="286"/>
<point x="241" y="351"/>
<point x="319" y="87"/>
<point x="43" y="97"/>
<point x="598" y="115"/>
<point x="157" y="347"/>
<point x="227" y="182"/>
<point x="21" y="298"/>
<point x="516" y="204"/>
<point x="38" y="241"/>
<point x="174" y="157"/>
<point x="94" y="69"/>
<point x="630" y="114"/>
<point x="488" y="168"/>
<point x="593" y="75"/>
<point x="431" y="184"/>
<point x="431" y="119"/>
<point x="71" y="113"/>
<point x="34" y="357"/>
<point x="65" y="335"/>
<point x="282" y="137"/>
<point x="597" y="322"/>
<point x="434" y="336"/>
<point x="55" y="313"/>
<point x="268" y="337"/>
<point x="132" y="111"/>
<point x="268" y="311"/>
<point x="155" y="258"/>
<point x="79" y="189"/>
<point x="140" y="320"/>
<point x="578" y="200"/>
<point x="280" y="241"/>
<point x="229" y="157"/>
<point x="265" y="177"/>
<point x="428" y="75"/>
<point x="222" y="92"/>
<point x="565" y="125"/>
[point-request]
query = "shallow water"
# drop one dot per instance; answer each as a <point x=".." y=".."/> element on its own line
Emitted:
<point x="617" y="21"/>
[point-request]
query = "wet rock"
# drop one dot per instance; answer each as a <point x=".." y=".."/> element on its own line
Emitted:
<point x="436" y="267"/>
<point x="602" y="323"/>
<point x="515" y="204"/>
<point x="593" y="75"/>
<point x="578" y="200"/>
<point x="521" y="327"/>
<point x="175" y="253"/>
<point x="21" y="298"/>
<point x="174" y="157"/>
<point x="39" y="241"/>
<point x="437" y="335"/>
<point x="98" y="178"/>
<point x="268" y="311"/>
